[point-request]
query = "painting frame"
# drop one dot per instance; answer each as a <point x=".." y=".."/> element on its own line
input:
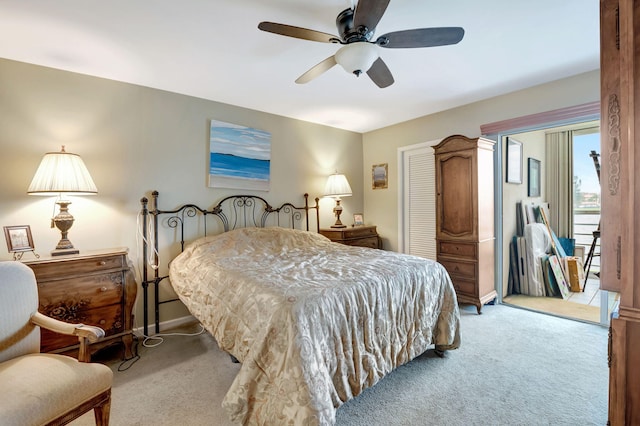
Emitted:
<point x="19" y="238"/>
<point x="358" y="219"/>
<point x="379" y="176"/>
<point x="514" y="161"/>
<point x="533" y="189"/>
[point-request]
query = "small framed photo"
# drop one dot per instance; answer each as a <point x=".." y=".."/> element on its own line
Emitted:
<point x="379" y="176"/>
<point x="18" y="238"/>
<point x="534" y="178"/>
<point x="358" y="219"/>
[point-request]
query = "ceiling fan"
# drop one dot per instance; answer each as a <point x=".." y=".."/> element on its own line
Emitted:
<point x="358" y="53"/>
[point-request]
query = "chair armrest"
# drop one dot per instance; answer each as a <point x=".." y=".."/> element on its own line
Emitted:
<point x="89" y="332"/>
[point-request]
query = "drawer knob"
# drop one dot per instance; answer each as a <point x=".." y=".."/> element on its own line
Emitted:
<point x="103" y="289"/>
<point x="102" y="263"/>
<point x="102" y="322"/>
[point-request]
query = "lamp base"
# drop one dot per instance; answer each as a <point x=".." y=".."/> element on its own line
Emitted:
<point x="63" y="222"/>
<point x="64" y="252"/>
<point x="337" y="210"/>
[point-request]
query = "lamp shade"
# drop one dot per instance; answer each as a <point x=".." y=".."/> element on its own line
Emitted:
<point x="337" y="186"/>
<point x="62" y="172"/>
<point x="357" y="57"/>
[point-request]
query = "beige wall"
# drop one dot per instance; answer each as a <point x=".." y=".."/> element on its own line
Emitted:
<point x="381" y="146"/>
<point x="134" y="140"/>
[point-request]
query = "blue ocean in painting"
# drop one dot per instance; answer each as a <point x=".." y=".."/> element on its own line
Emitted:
<point x="241" y="167"/>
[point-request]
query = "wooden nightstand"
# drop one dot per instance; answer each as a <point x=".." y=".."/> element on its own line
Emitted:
<point x="93" y="288"/>
<point x="362" y="236"/>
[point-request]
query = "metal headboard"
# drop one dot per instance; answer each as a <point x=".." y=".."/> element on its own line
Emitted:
<point x="235" y="211"/>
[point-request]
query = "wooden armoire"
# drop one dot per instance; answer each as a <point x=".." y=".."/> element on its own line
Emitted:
<point x="464" y="216"/>
<point x="620" y="197"/>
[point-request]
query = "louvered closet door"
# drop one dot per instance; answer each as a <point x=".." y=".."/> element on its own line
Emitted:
<point x="420" y="202"/>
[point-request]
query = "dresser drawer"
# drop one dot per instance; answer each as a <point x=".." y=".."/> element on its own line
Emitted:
<point x="371" y="242"/>
<point x="361" y="236"/>
<point x="459" y="268"/>
<point x="349" y="233"/>
<point x="467" y="288"/>
<point x="451" y="248"/>
<point x="359" y="232"/>
<point x="109" y="318"/>
<point x="70" y="267"/>
<point x="90" y="290"/>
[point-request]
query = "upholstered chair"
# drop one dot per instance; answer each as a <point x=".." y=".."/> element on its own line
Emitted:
<point x="44" y="389"/>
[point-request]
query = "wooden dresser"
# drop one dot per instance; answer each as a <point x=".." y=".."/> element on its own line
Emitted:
<point x="464" y="216"/>
<point x="362" y="236"/>
<point x="94" y="288"/>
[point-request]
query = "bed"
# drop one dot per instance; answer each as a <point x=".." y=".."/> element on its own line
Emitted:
<point x="313" y="323"/>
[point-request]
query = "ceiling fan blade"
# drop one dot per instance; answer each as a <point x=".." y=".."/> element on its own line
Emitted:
<point x="380" y="74"/>
<point x="369" y="12"/>
<point x="316" y="70"/>
<point x="297" y="32"/>
<point x="422" y="37"/>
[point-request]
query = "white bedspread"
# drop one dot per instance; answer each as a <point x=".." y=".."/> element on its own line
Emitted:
<point x="313" y="322"/>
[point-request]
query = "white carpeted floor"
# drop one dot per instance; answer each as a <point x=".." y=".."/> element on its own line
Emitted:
<point x="514" y="367"/>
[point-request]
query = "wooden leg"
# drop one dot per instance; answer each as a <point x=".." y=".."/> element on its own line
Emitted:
<point x="479" y="308"/>
<point x="101" y="412"/>
<point x="128" y="344"/>
<point x="440" y="353"/>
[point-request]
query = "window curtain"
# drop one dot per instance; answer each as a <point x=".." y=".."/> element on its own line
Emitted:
<point x="559" y="182"/>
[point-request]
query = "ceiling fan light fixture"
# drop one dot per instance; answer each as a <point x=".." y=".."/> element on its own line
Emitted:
<point x="357" y="57"/>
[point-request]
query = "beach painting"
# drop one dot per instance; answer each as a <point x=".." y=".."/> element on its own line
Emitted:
<point x="239" y="157"/>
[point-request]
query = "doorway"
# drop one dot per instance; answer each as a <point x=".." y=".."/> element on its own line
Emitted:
<point x="576" y="223"/>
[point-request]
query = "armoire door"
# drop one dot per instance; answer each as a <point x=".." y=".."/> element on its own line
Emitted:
<point x="455" y="180"/>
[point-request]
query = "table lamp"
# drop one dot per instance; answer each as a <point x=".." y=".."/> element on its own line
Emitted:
<point x="62" y="173"/>
<point x="337" y="186"/>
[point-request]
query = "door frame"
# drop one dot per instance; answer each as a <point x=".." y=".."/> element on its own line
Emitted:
<point x="496" y="132"/>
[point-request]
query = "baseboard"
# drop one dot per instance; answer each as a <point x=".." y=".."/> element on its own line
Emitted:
<point x="166" y="325"/>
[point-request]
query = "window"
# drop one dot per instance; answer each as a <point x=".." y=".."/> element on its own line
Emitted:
<point x="586" y="187"/>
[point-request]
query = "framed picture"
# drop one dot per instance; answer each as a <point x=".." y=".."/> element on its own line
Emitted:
<point x="18" y="238"/>
<point x="514" y="161"/>
<point x="239" y="157"/>
<point x="358" y="219"/>
<point x="379" y="176"/>
<point x="534" y="178"/>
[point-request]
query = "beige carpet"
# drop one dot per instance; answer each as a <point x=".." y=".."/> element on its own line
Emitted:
<point x="514" y="367"/>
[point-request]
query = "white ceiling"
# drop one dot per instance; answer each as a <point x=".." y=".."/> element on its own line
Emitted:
<point x="212" y="49"/>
